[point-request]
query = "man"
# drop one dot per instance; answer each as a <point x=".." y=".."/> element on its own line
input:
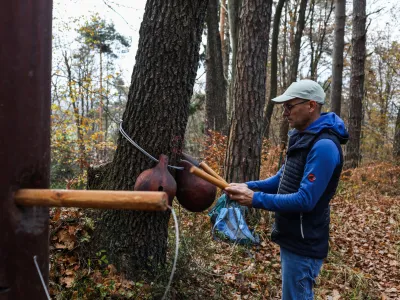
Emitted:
<point x="300" y="192"/>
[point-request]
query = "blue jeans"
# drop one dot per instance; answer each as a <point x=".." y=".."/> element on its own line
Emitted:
<point x="298" y="275"/>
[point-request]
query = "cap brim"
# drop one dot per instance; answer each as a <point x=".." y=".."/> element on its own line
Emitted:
<point x="282" y="98"/>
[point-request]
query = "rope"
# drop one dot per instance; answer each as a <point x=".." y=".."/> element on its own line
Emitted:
<point x="176" y="252"/>
<point x="41" y="277"/>
<point x="141" y="149"/>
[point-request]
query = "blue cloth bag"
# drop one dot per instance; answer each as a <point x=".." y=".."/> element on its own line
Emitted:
<point x="228" y="221"/>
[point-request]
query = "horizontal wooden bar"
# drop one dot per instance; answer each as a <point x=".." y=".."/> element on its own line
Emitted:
<point x="135" y="200"/>
<point x="207" y="177"/>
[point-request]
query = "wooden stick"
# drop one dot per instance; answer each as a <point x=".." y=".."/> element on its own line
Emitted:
<point x="135" y="200"/>
<point x="210" y="171"/>
<point x="207" y="177"/>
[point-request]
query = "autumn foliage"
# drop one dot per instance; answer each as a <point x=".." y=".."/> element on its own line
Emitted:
<point x="363" y="262"/>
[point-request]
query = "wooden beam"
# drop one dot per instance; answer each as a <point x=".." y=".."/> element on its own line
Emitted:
<point x="25" y="78"/>
<point x="137" y="200"/>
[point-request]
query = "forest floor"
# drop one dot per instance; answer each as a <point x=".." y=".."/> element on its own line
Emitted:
<point x="363" y="262"/>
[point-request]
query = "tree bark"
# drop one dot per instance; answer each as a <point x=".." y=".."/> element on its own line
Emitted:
<point x="337" y="57"/>
<point x="155" y="117"/>
<point x="242" y="162"/>
<point x="294" y="61"/>
<point x="222" y="20"/>
<point x="234" y="18"/>
<point x="274" y="66"/>
<point x="225" y="45"/>
<point x="216" y="115"/>
<point x="358" y="40"/>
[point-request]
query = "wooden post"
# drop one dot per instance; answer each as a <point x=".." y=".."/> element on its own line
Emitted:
<point x="25" y="73"/>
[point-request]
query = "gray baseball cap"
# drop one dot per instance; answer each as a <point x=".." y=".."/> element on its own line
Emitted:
<point x="303" y="89"/>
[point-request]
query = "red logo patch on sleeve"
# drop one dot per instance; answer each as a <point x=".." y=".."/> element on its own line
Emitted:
<point x="311" y="177"/>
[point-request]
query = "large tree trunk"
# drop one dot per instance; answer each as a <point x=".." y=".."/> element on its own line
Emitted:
<point x="216" y="115"/>
<point x="242" y="161"/>
<point x="294" y="61"/>
<point x="353" y="155"/>
<point x="337" y="57"/>
<point x="155" y="117"/>
<point x="396" y="143"/>
<point x="274" y="66"/>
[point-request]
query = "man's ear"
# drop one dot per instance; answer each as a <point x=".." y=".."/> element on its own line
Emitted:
<point x="313" y="106"/>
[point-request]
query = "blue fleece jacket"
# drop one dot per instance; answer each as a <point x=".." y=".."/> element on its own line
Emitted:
<point x="321" y="162"/>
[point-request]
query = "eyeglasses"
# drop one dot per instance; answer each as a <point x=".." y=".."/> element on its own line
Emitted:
<point x="288" y="107"/>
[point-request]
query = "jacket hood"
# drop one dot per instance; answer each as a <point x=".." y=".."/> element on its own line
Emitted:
<point x="330" y="122"/>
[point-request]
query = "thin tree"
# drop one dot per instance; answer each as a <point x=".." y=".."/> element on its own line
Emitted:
<point x="358" y="41"/>
<point x="318" y="37"/>
<point x="225" y="39"/>
<point x="274" y="66"/>
<point x="234" y="7"/>
<point x="294" y="61"/>
<point x="101" y="36"/>
<point x="396" y="143"/>
<point x="216" y="115"/>
<point x="155" y="117"/>
<point x="337" y="57"/>
<point x="242" y="162"/>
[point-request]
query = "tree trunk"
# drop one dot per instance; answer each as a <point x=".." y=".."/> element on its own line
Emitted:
<point x="216" y="115"/>
<point x="318" y="38"/>
<point x="310" y="35"/>
<point x="358" y="40"/>
<point x="337" y="57"/>
<point x="155" y="117"/>
<point x="222" y="20"/>
<point x="274" y="66"/>
<point x="396" y="143"/>
<point x="225" y="44"/>
<point x="101" y="97"/>
<point x="284" y="78"/>
<point x="242" y="162"/>
<point x="234" y="7"/>
<point x="78" y="116"/>
<point x="294" y="61"/>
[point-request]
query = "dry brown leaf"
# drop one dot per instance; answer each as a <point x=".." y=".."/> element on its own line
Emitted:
<point x="68" y="281"/>
<point x="60" y="246"/>
<point x="57" y="214"/>
<point x="335" y="295"/>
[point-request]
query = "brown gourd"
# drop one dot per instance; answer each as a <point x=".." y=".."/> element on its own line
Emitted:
<point x="157" y="179"/>
<point x="193" y="193"/>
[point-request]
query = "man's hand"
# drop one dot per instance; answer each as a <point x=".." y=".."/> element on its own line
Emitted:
<point x="241" y="193"/>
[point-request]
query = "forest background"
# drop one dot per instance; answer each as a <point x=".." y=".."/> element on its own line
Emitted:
<point x="93" y="58"/>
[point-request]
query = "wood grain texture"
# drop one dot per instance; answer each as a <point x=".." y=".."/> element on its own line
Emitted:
<point x="210" y="171"/>
<point x="207" y="177"/>
<point x="137" y="200"/>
